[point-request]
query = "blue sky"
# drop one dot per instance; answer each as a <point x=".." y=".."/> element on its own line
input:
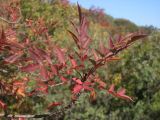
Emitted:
<point x="141" y="12"/>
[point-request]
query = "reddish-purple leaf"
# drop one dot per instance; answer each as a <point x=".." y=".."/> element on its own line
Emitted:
<point x="30" y="68"/>
<point x="101" y="84"/>
<point x="84" y="57"/>
<point x="119" y="38"/>
<point x="134" y="36"/>
<point x="10" y="32"/>
<point x="96" y="58"/>
<point x="84" y="28"/>
<point x="77" y="88"/>
<point x="16" y="45"/>
<point x="87" y="83"/>
<point x="75" y="27"/>
<point x="41" y="87"/>
<point x="48" y="58"/>
<point x="44" y="73"/>
<point x="20" y="118"/>
<point x="80" y="13"/>
<point x="63" y="79"/>
<point x="138" y="36"/>
<point x="111" y="89"/>
<point x="86" y="43"/>
<point x="13" y="58"/>
<point x="60" y="55"/>
<point x="78" y="81"/>
<point x="76" y="40"/>
<point x="87" y="88"/>
<point x="54" y="69"/>
<point x="73" y="62"/>
<point x="111" y="45"/>
<point x="43" y="55"/>
<point x="102" y="49"/>
<point x="121" y="94"/>
<point x="36" y="57"/>
<point x="54" y="104"/>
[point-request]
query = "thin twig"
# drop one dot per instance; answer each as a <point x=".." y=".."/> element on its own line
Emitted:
<point x="58" y="84"/>
<point x="23" y="116"/>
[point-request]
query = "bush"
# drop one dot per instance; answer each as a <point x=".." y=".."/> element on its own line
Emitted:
<point x="39" y="70"/>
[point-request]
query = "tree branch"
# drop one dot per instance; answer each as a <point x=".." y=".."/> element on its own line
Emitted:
<point x="23" y="116"/>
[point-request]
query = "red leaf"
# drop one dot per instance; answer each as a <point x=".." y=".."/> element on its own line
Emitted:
<point x="119" y="39"/>
<point x="75" y="38"/>
<point x="44" y="73"/>
<point x="84" y="57"/>
<point x="54" y="104"/>
<point x="21" y="118"/>
<point x="44" y="55"/>
<point x="83" y="29"/>
<point x="69" y="71"/>
<point x="78" y="81"/>
<point x="10" y="32"/>
<point x="136" y="36"/>
<point x="15" y="45"/>
<point x="75" y="27"/>
<point x="111" y="89"/>
<point x="60" y="55"/>
<point x="36" y="57"/>
<point x="86" y="43"/>
<point x="102" y="49"/>
<point x="42" y="88"/>
<point x="121" y="94"/>
<point x="30" y="68"/>
<point x="13" y="58"/>
<point x="47" y="57"/>
<point x="73" y="62"/>
<point x="63" y="79"/>
<point x="96" y="58"/>
<point x="27" y="41"/>
<point x="77" y="88"/>
<point x="102" y="84"/>
<point x="87" y="88"/>
<point x="3" y="105"/>
<point x="54" y="69"/>
<point x="80" y="13"/>
<point x="111" y="45"/>
<point x="87" y="83"/>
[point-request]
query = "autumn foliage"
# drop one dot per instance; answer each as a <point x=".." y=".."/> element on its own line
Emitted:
<point x="38" y="58"/>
